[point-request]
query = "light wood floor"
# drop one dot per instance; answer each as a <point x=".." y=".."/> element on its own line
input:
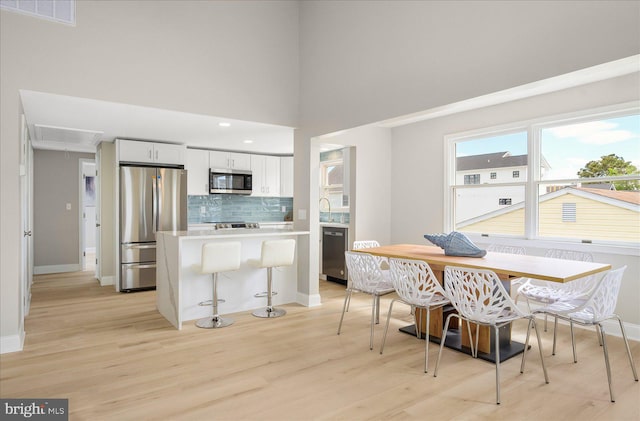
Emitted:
<point x="115" y="358"/>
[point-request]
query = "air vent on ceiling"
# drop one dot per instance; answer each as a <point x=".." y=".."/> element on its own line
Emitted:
<point x="63" y="11"/>
<point x="65" y="138"/>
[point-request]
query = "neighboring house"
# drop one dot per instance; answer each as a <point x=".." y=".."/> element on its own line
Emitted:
<point x="491" y="168"/>
<point x="571" y="212"/>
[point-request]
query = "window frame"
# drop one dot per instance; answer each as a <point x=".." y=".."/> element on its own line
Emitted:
<point x="327" y="189"/>
<point x="534" y="128"/>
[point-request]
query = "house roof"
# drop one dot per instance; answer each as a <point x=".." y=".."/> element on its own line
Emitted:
<point x="622" y="195"/>
<point x="490" y="160"/>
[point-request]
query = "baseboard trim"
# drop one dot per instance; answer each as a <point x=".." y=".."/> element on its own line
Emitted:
<point x="12" y="343"/>
<point x="43" y="270"/>
<point x="309" y="300"/>
<point x="107" y="280"/>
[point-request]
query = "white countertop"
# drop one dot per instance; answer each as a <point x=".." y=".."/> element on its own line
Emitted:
<point x="233" y="233"/>
<point x="334" y="224"/>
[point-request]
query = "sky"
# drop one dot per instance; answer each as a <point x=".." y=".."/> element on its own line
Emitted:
<point x="568" y="148"/>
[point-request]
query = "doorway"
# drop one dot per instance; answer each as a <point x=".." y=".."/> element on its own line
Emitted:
<point x="88" y="183"/>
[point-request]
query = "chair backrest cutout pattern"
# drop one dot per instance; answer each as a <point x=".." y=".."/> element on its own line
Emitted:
<point x="602" y="301"/>
<point x="414" y="281"/>
<point x="365" y="244"/>
<point x="364" y="271"/>
<point x="478" y="294"/>
<point x="503" y="248"/>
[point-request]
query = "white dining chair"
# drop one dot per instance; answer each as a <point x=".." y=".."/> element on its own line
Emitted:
<point x="366" y="276"/>
<point x="365" y="244"/>
<point x="479" y="297"/>
<point x="504" y="248"/>
<point x="593" y="310"/>
<point x="418" y="287"/>
<point x="508" y="249"/>
<point x="545" y="292"/>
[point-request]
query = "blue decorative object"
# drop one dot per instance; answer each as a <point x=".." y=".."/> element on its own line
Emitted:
<point x="455" y="244"/>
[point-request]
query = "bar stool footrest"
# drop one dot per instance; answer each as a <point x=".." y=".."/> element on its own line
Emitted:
<point x="265" y="294"/>
<point x="209" y="303"/>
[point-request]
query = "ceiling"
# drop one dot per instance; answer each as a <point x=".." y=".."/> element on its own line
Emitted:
<point x="60" y="122"/>
<point x="78" y="124"/>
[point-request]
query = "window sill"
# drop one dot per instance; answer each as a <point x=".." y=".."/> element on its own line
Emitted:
<point x="543" y="244"/>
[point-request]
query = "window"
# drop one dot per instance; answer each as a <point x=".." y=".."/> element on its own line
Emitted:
<point x="472" y="179"/>
<point x="331" y="181"/>
<point x="493" y="175"/>
<point x="586" y="162"/>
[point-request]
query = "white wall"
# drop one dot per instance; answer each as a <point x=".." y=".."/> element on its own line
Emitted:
<point x="418" y="155"/>
<point x="373" y="181"/>
<point x="366" y="61"/>
<point x="224" y="58"/>
<point x="56" y="231"/>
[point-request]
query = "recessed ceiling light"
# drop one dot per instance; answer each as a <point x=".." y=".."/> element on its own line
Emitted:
<point x="248" y="141"/>
<point x="224" y="124"/>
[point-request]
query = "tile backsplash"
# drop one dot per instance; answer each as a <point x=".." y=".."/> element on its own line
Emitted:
<point x="234" y="207"/>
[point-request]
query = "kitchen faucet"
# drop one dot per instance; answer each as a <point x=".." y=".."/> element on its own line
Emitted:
<point x="329" y="204"/>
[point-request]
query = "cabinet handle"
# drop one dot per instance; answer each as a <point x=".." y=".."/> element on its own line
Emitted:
<point x="150" y="156"/>
<point x="156" y="155"/>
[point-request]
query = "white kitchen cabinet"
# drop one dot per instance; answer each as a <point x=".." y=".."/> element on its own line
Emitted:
<point x="198" y="172"/>
<point x="266" y="175"/>
<point x="286" y="176"/>
<point x="150" y="152"/>
<point x="229" y="160"/>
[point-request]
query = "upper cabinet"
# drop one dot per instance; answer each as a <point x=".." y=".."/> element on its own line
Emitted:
<point x="151" y="153"/>
<point x="229" y="160"/>
<point x="266" y="175"/>
<point x="198" y="172"/>
<point x="286" y="176"/>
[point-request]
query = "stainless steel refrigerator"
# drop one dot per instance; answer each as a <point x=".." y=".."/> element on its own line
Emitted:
<point x="151" y="199"/>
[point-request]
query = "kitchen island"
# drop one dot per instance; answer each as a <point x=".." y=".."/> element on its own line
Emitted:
<point x="180" y="286"/>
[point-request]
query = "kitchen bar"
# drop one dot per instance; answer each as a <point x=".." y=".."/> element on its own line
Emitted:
<point x="180" y="285"/>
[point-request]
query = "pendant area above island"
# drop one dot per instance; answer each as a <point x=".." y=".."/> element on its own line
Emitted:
<point x="180" y="286"/>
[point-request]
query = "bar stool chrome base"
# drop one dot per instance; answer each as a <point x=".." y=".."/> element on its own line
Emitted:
<point x="269" y="312"/>
<point x="214" y="322"/>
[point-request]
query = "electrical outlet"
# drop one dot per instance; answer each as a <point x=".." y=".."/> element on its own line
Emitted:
<point x="284" y="209"/>
<point x="203" y="209"/>
<point x="68" y="206"/>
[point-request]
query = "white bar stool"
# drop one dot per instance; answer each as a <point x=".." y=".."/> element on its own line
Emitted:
<point x="218" y="257"/>
<point x="274" y="253"/>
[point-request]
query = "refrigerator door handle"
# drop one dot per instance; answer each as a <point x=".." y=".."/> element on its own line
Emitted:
<point x="149" y="266"/>
<point x="140" y="246"/>
<point x="154" y="206"/>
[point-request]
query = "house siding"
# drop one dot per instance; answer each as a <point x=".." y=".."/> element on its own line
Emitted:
<point x="622" y="224"/>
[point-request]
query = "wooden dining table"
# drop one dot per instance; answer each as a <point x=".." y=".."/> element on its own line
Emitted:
<point x="507" y="267"/>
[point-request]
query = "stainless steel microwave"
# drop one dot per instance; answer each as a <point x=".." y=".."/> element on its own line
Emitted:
<point x="230" y="181"/>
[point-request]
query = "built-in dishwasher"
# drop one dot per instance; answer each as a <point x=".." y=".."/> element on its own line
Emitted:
<point x="334" y="244"/>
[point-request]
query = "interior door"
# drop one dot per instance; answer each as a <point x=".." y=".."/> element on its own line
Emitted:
<point x="97" y="227"/>
<point x="26" y="251"/>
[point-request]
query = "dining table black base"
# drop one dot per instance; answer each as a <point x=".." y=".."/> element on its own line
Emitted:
<point x="454" y="341"/>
